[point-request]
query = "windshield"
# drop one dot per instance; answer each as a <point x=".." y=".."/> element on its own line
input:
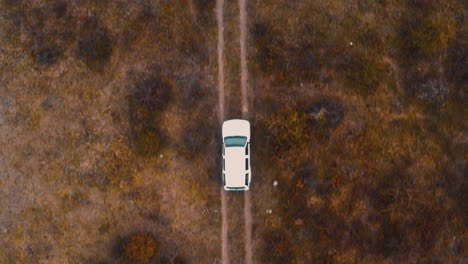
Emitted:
<point x="235" y="141"/>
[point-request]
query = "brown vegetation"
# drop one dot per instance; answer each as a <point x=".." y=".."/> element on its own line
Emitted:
<point x="428" y="28"/>
<point x="278" y="246"/>
<point x="303" y="121"/>
<point x="140" y="248"/>
<point x="107" y="119"/>
<point x="365" y="73"/>
<point x="375" y="185"/>
<point x="146" y="101"/>
<point x="95" y="47"/>
<point x="87" y="100"/>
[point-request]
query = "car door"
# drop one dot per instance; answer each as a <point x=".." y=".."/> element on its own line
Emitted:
<point x="248" y="175"/>
<point x="223" y="165"/>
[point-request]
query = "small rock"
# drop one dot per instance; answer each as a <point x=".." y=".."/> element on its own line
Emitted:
<point x="161" y="156"/>
<point x="275" y="183"/>
<point x="350" y="43"/>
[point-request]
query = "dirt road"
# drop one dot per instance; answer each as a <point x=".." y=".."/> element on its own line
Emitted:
<point x="243" y="57"/>
<point x="245" y="115"/>
<point x="224" y="225"/>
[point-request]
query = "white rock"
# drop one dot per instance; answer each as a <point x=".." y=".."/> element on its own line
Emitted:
<point x="275" y="183"/>
<point x="161" y="156"/>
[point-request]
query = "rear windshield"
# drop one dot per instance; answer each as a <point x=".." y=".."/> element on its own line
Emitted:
<point x="236" y="141"/>
<point x="235" y="188"/>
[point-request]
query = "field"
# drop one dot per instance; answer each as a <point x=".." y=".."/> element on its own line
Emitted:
<point x="110" y="140"/>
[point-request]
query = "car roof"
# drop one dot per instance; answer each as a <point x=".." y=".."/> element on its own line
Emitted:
<point x="235" y="166"/>
<point x="236" y="127"/>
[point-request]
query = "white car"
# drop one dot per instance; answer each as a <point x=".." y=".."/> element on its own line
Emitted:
<point x="236" y="155"/>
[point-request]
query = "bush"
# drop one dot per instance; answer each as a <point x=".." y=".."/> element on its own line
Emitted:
<point x="95" y="48"/>
<point x="430" y="36"/>
<point x="48" y="56"/>
<point x="73" y="201"/>
<point x="288" y="62"/>
<point x="457" y="62"/>
<point x="364" y="73"/>
<point x="427" y="29"/>
<point x="287" y="128"/>
<point x="278" y="248"/>
<point x="205" y="12"/>
<point x="369" y="37"/>
<point x="146" y="101"/>
<point x="147" y="141"/>
<point x="197" y="136"/>
<point x="140" y="248"/>
<point x="152" y="93"/>
<point x="269" y="46"/>
<point x="305" y="120"/>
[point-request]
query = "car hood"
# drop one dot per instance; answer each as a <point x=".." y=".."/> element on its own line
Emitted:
<point x="236" y="127"/>
<point x="235" y="166"/>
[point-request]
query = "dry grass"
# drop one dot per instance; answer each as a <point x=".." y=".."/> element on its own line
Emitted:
<point x="93" y="138"/>
<point x="377" y="186"/>
<point x="358" y="113"/>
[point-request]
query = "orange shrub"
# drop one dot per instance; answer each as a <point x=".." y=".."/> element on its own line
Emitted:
<point x="141" y="248"/>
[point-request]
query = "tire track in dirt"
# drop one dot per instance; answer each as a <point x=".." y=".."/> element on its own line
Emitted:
<point x="221" y="115"/>
<point x="243" y="57"/>
<point x="220" y="21"/>
<point x="245" y="112"/>
<point x="245" y="115"/>
<point x="248" y="228"/>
